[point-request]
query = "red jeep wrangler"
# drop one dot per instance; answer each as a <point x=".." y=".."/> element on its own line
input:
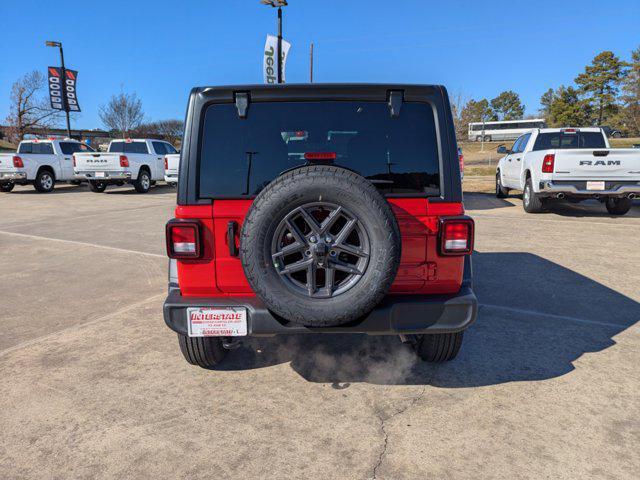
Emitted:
<point x="319" y="208"/>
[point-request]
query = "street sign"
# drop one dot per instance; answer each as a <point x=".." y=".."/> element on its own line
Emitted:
<point x="270" y="60"/>
<point x="69" y="85"/>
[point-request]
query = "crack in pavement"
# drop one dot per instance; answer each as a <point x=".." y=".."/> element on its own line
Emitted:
<point x="383" y="422"/>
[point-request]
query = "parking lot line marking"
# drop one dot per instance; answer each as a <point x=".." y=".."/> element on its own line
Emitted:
<point x="550" y="220"/>
<point x="102" y="318"/>
<point x="84" y="244"/>
<point x="553" y="316"/>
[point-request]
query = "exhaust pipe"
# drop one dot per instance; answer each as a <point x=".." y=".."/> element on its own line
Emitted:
<point x="560" y="196"/>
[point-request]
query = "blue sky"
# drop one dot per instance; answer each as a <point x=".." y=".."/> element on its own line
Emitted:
<point x="161" y="49"/>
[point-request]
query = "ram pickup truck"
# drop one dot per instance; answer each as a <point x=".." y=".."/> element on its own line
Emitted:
<point x="171" y="168"/>
<point x="569" y="163"/>
<point x="319" y="209"/>
<point x="40" y="163"/>
<point x="139" y="162"/>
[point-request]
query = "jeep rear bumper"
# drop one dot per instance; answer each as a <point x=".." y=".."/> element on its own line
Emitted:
<point x="396" y="314"/>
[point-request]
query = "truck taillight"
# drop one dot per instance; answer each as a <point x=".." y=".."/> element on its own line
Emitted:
<point x="547" y="163"/>
<point x="124" y="161"/>
<point x="17" y="162"/>
<point x="456" y="235"/>
<point x="166" y="163"/>
<point x="461" y="161"/>
<point x="183" y="239"/>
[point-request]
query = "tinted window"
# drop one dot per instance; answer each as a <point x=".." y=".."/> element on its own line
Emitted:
<point x="241" y="156"/>
<point x="159" y="147"/>
<point x="36" y="148"/>
<point x="25" y="148"/>
<point x="128" y="147"/>
<point x="548" y="141"/>
<point x="523" y="143"/>
<point x="69" y="148"/>
<point x="516" y="145"/>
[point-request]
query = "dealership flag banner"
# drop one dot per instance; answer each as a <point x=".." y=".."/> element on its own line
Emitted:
<point x="55" y="90"/>
<point x="270" y="61"/>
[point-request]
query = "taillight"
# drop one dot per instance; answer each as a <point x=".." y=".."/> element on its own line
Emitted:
<point x="17" y="162"/>
<point x="547" y="163"/>
<point x="124" y="161"/>
<point x="456" y="235"/>
<point x="461" y="161"/>
<point x="320" y="156"/>
<point x="166" y="163"/>
<point x="183" y="239"/>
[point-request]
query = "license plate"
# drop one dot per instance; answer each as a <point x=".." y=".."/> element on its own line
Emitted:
<point x="595" y="185"/>
<point x="99" y="174"/>
<point x="217" y="322"/>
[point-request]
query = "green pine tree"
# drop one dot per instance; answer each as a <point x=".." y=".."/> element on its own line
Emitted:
<point x="599" y="84"/>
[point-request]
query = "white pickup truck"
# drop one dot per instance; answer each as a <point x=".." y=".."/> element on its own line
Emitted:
<point x="572" y="163"/>
<point x="41" y="163"/>
<point x="171" y="168"/>
<point x="136" y="161"/>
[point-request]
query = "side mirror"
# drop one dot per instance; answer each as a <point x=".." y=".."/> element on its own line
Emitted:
<point x="502" y="149"/>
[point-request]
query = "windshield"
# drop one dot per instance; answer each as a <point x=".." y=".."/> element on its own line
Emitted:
<point x="239" y="156"/>
<point x="128" y="147"/>
<point x="562" y="140"/>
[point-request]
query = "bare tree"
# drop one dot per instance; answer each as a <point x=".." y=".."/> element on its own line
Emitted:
<point x="169" y="130"/>
<point x="458" y="102"/>
<point x="29" y="109"/>
<point x="122" y="113"/>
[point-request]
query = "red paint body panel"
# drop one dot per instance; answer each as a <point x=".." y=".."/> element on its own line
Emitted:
<point x="422" y="270"/>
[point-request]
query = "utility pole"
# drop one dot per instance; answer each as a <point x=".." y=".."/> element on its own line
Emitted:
<point x="64" y="83"/>
<point x="311" y="63"/>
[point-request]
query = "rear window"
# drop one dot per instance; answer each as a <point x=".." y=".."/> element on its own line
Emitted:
<point x="239" y="157"/>
<point x="69" y="148"/>
<point x="36" y="148"/>
<point x="560" y="140"/>
<point x="128" y="147"/>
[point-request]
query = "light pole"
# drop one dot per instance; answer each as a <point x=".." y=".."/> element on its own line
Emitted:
<point x="279" y="4"/>
<point x="64" y="83"/>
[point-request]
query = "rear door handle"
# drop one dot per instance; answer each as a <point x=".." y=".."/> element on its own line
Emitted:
<point x="232" y="228"/>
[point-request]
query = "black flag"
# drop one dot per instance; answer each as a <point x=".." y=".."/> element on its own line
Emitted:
<point x="55" y="90"/>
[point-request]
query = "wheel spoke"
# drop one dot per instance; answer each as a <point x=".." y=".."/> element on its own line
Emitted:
<point x="295" y="231"/>
<point x="351" y="250"/>
<point x="311" y="279"/>
<point x="288" y="250"/>
<point x="309" y="220"/>
<point x="296" y="266"/>
<point x="345" y="267"/>
<point x="330" y="220"/>
<point x="346" y="230"/>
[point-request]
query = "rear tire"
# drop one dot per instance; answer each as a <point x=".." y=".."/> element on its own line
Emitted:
<point x="97" y="187"/>
<point x="531" y="201"/>
<point x="7" y="187"/>
<point x="205" y="352"/>
<point x="501" y="192"/>
<point x="143" y="183"/>
<point x="439" y="347"/>
<point x="618" y="206"/>
<point x="45" y="181"/>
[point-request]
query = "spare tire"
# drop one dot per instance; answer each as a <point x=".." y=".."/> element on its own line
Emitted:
<point x="320" y="246"/>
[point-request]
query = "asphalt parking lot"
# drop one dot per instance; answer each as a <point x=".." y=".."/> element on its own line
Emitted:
<point x="93" y="384"/>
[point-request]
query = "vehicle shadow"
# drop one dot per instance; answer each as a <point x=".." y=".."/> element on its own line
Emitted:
<point x="536" y="318"/>
<point x="484" y="201"/>
<point x="129" y="190"/>
<point x="58" y="189"/>
<point x="588" y="208"/>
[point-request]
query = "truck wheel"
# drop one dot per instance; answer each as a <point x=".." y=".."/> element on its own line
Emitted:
<point x="531" y="201"/>
<point x="320" y="246"/>
<point x="618" y="206"/>
<point x="44" y="181"/>
<point x="439" y="347"/>
<point x="7" y="187"/>
<point x="97" y="187"/>
<point x="206" y="352"/>
<point x="143" y="183"/>
<point x="501" y="192"/>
